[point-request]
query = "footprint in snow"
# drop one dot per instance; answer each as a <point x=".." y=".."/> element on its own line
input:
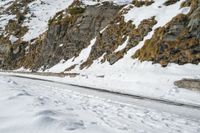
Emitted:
<point x="23" y="93"/>
<point x="46" y="113"/>
<point x="74" y="125"/>
<point x="41" y="101"/>
<point x="10" y="81"/>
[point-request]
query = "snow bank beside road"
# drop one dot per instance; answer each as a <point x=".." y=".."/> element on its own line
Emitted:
<point x="45" y="107"/>
<point x="143" y="79"/>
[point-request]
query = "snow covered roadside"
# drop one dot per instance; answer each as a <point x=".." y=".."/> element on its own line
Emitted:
<point x="144" y="80"/>
<point x="37" y="106"/>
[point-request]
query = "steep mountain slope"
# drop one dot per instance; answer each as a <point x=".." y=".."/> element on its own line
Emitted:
<point x="111" y="36"/>
<point x="178" y="41"/>
<point x="21" y="22"/>
<point x="124" y="25"/>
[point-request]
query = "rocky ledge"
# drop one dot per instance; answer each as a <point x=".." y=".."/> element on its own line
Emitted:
<point x="193" y="84"/>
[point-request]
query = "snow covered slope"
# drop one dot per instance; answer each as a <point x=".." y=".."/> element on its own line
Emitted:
<point x="39" y="12"/>
<point x="42" y="12"/>
<point x="163" y="14"/>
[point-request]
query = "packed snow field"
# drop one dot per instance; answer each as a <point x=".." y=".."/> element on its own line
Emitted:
<point x="43" y="107"/>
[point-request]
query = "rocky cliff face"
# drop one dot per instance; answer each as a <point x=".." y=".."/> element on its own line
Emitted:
<point x="71" y="30"/>
<point x="11" y="46"/>
<point x="176" y="42"/>
<point x="114" y="35"/>
<point x="68" y="33"/>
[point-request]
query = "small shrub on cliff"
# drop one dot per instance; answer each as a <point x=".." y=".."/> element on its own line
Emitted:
<point x="170" y="2"/>
<point x="76" y="10"/>
<point x="77" y="7"/>
<point x="138" y="3"/>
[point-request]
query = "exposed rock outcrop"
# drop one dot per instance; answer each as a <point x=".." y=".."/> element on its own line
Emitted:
<point x="12" y="48"/>
<point x="71" y="30"/>
<point x="114" y="35"/>
<point x="170" y="2"/>
<point x="139" y="3"/>
<point x="193" y="84"/>
<point x="68" y="34"/>
<point x="177" y="42"/>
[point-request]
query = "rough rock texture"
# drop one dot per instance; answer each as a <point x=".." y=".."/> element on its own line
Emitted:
<point x="193" y="84"/>
<point x="170" y="2"/>
<point x="177" y="42"/>
<point x="114" y="35"/>
<point x="67" y="35"/>
<point x="139" y="3"/>
<point x="12" y="51"/>
<point x="71" y="30"/>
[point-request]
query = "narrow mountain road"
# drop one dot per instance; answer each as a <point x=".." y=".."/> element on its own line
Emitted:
<point x="39" y="106"/>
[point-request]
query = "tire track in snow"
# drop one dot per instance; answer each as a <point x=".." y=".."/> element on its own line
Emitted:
<point x="155" y="100"/>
